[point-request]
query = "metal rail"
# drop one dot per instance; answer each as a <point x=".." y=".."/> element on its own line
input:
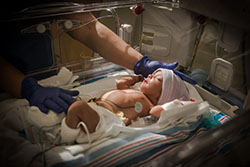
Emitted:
<point x="62" y="8"/>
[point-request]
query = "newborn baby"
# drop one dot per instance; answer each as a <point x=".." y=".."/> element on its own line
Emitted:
<point x="125" y="104"/>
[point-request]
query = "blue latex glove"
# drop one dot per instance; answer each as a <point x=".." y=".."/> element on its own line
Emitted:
<point x="145" y="67"/>
<point x="53" y="98"/>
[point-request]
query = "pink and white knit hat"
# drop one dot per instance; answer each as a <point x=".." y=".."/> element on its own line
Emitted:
<point x="173" y="87"/>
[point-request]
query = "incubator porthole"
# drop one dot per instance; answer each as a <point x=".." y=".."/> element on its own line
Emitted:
<point x="68" y="24"/>
<point x="40" y="28"/>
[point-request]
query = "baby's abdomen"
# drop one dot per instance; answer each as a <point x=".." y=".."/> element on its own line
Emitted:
<point x="125" y="100"/>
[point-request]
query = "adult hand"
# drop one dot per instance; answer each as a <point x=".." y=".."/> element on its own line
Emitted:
<point x="53" y="98"/>
<point x="145" y="67"/>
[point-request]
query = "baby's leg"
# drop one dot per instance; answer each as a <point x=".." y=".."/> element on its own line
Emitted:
<point x="81" y="111"/>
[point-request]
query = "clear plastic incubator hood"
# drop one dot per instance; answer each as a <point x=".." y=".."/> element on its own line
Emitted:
<point x="209" y="39"/>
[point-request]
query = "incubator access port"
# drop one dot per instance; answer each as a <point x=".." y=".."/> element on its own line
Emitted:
<point x="221" y="73"/>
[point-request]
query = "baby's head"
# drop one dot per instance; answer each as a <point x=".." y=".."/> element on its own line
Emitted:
<point x="173" y="87"/>
<point x="166" y="85"/>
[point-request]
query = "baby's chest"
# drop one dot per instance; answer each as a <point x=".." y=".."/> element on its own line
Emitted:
<point x="130" y="101"/>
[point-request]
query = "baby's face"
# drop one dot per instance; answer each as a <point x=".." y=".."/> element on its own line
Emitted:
<point x="152" y="85"/>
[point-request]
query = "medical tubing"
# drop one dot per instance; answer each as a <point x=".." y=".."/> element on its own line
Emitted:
<point x="240" y="55"/>
<point x="83" y="56"/>
<point x="86" y="129"/>
<point x="41" y="153"/>
<point x="103" y="102"/>
<point x="84" y="24"/>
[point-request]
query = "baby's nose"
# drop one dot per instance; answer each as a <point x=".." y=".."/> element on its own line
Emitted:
<point x="150" y="76"/>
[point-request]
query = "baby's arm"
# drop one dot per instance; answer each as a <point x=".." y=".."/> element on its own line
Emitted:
<point x="126" y="82"/>
<point x="156" y="111"/>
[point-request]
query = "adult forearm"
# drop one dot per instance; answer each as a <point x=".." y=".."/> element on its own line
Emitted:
<point x="11" y="78"/>
<point x="112" y="48"/>
<point x="105" y="42"/>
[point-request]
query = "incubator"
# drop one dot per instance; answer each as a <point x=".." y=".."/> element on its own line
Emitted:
<point x="209" y="39"/>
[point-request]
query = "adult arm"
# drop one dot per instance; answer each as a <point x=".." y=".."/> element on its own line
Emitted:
<point x="15" y="83"/>
<point x="101" y="39"/>
<point x="11" y="78"/>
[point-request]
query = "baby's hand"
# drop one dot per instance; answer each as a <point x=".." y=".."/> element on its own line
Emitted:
<point x="127" y="82"/>
<point x="122" y="84"/>
<point x="156" y="111"/>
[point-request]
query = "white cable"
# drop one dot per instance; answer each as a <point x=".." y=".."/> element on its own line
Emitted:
<point x="216" y="49"/>
<point x="86" y="129"/>
<point x="240" y="55"/>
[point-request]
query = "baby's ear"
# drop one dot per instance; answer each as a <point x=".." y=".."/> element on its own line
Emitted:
<point x="156" y="111"/>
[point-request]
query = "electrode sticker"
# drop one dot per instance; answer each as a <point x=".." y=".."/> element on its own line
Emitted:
<point x="138" y="107"/>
